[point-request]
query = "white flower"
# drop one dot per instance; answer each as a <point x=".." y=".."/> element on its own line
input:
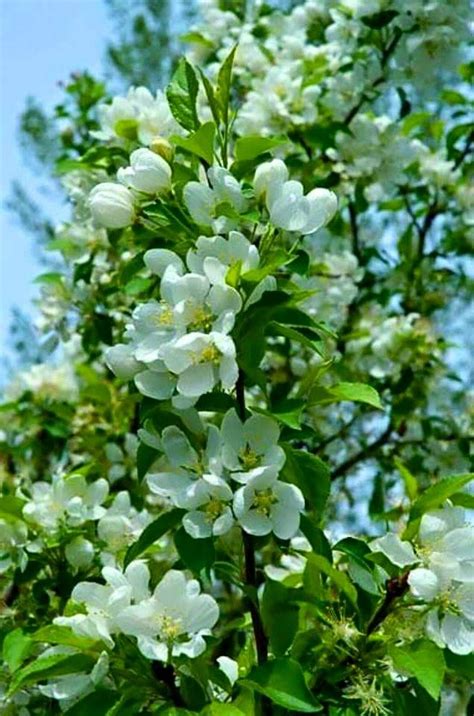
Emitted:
<point x="397" y="551"/>
<point x="287" y="205"/>
<point x="229" y="667"/>
<point x="105" y="602"/>
<point x="13" y="537"/>
<point x="46" y="382"/>
<point x="148" y="173"/>
<point x="79" y="552"/>
<point x="268" y="173"/>
<point x="111" y="205"/>
<point x="71" y="499"/>
<point x="211" y="513"/>
<point x="202" y="201"/>
<point x="267" y="505"/>
<point x="250" y="445"/>
<point x="173" y="621"/>
<point x="201" y="361"/>
<point x="445" y="579"/>
<point x="122" y="524"/>
<point x="235" y="249"/>
<point x="121" y="361"/>
<point x="183" y="467"/>
<point x="138" y="115"/>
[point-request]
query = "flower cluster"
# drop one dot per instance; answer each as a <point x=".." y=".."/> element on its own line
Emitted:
<point x="170" y="621"/>
<point x="180" y="345"/>
<point x="139" y="115"/>
<point x="443" y="580"/>
<point x="201" y="482"/>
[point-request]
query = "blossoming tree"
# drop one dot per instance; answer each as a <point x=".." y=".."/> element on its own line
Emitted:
<point x="241" y="486"/>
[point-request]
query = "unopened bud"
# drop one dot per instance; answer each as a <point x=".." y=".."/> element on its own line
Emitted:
<point x="163" y="148"/>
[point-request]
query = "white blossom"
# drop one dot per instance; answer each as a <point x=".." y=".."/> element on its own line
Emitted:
<point x="105" y="602"/>
<point x="174" y="620"/>
<point x="70" y="499"/>
<point x="265" y="504"/>
<point x="249" y="446"/>
<point x="112" y="205"/>
<point x="148" y="173"/>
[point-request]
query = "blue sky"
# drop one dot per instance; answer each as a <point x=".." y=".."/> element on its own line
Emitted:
<point x="41" y="42"/>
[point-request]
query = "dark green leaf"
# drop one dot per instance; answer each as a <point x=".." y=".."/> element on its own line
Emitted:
<point x="311" y="475"/>
<point x="98" y="703"/>
<point x="182" y="94"/>
<point x="379" y="19"/>
<point x="280" y="616"/>
<point x="282" y="680"/>
<point x="152" y="533"/>
<point x="196" y="554"/>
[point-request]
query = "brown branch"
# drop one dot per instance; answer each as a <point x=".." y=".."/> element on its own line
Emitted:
<point x="362" y="454"/>
<point x="261" y="640"/>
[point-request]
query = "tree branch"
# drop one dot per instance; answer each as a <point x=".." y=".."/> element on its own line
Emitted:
<point x="362" y="454"/>
<point x="261" y="641"/>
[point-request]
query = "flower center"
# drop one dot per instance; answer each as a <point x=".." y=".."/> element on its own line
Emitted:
<point x="165" y="318"/>
<point x="170" y="628"/>
<point x="209" y="354"/>
<point x="201" y="319"/>
<point x="263" y="501"/>
<point x="213" y="509"/>
<point x="249" y="458"/>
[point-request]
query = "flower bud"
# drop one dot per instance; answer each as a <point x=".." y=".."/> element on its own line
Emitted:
<point x="163" y="148"/>
<point x="147" y="172"/>
<point x="111" y="205"/>
<point x="121" y="361"/>
<point x="79" y="552"/>
<point x="274" y="172"/>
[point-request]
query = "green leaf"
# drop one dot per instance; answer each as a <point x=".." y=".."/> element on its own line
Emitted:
<point x="200" y="143"/>
<point x="438" y="493"/>
<point x="379" y="19"/>
<point x="310" y="473"/>
<point x="182" y="94"/>
<point x="211" y="97"/>
<point x="218" y="709"/>
<point x="340" y="579"/>
<point x="410" y="481"/>
<point x="50" y="278"/>
<point x="54" y="634"/>
<point x="12" y="506"/>
<point x="356" y="392"/>
<point x="282" y="680"/>
<point x="196" y="554"/>
<point x="197" y="39"/>
<point x="316" y="537"/>
<point x="98" y="703"/>
<point x="280" y="616"/>
<point x="224" y="85"/>
<point x="422" y="660"/>
<point x="138" y="285"/>
<point x="126" y="128"/>
<point x="152" y="534"/>
<point x="461" y="665"/>
<point x="146" y="456"/>
<point x="16" y="647"/>
<point x="49" y="666"/>
<point x="247" y="148"/>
